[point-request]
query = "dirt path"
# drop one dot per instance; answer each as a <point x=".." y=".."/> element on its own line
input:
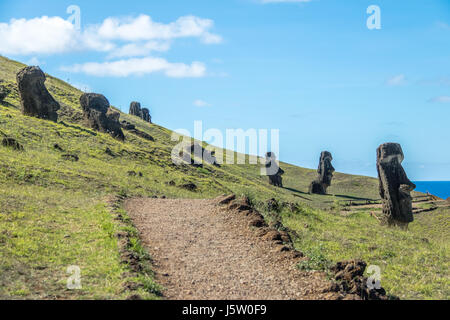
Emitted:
<point x="202" y="251"/>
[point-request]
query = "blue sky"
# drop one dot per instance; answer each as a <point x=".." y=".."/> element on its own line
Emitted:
<point x="309" y="68"/>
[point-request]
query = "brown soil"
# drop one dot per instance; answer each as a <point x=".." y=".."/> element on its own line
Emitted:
<point x="203" y="251"/>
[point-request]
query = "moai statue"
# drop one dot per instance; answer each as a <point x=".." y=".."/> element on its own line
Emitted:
<point x="146" y="115"/>
<point x="395" y="187"/>
<point x="99" y="116"/>
<point x="35" y="99"/>
<point x="135" y="109"/>
<point x="325" y="171"/>
<point x="273" y="171"/>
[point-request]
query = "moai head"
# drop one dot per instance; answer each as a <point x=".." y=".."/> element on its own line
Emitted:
<point x="135" y="109"/>
<point x="325" y="169"/>
<point x="273" y="170"/>
<point x="395" y="187"/>
<point x="35" y="99"/>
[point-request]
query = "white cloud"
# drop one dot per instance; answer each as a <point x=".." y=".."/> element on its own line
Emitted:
<point x="201" y="103"/>
<point x="139" y="66"/>
<point x="144" y="28"/>
<point x="51" y="35"/>
<point x="441" y="99"/>
<point x="397" y="80"/>
<point x="281" y="1"/>
<point x="82" y="87"/>
<point x="139" y="49"/>
<point x="34" y="61"/>
<point x="39" y="35"/>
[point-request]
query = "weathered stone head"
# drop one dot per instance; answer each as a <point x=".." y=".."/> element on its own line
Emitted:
<point x="99" y="116"/>
<point x="325" y="174"/>
<point x="35" y="100"/>
<point x="395" y="187"/>
<point x="146" y="115"/>
<point x="273" y="171"/>
<point x="135" y="109"/>
<point x="325" y="169"/>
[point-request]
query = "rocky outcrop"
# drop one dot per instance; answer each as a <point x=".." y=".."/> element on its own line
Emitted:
<point x="350" y="280"/>
<point x="143" y="113"/>
<point x="325" y="174"/>
<point x="4" y="91"/>
<point x="35" y="100"/>
<point x="273" y="171"/>
<point x="395" y="187"/>
<point x="99" y="116"/>
<point x="132" y="128"/>
<point x="197" y="151"/>
<point x="12" y="143"/>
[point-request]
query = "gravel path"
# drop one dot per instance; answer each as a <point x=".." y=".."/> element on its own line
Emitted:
<point x="202" y="251"/>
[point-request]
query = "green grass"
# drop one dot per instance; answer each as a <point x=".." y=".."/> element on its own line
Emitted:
<point x="53" y="213"/>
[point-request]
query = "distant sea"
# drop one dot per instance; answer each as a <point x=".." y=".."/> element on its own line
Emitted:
<point x="440" y="189"/>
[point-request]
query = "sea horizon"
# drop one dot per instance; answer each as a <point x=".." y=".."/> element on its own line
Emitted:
<point x="440" y="189"/>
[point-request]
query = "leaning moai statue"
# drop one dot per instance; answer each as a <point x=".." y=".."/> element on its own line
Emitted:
<point x="99" y="116"/>
<point x="273" y="171"/>
<point x="325" y="171"/>
<point x="35" y="100"/>
<point x="135" y="109"/>
<point x="395" y="187"/>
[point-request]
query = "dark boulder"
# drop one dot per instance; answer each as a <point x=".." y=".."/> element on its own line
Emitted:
<point x="4" y="91"/>
<point x="395" y="187"/>
<point x="35" y="100"/>
<point x="12" y="143"/>
<point x="99" y="116"/>
<point x="325" y="174"/>
<point x="189" y="186"/>
<point x="70" y="157"/>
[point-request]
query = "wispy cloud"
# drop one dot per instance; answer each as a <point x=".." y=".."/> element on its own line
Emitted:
<point x="396" y="80"/>
<point x="443" y="25"/>
<point x="139" y="66"/>
<point x="440" y="99"/>
<point x="201" y="103"/>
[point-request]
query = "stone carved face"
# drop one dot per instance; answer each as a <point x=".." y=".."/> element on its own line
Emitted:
<point x="325" y="169"/>
<point x="395" y="187"/>
<point x="271" y="165"/>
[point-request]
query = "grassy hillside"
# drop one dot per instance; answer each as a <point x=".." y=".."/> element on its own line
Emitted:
<point x="53" y="212"/>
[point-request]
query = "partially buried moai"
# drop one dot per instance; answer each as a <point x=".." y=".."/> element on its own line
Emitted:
<point x="395" y="187"/>
<point x="35" y="99"/>
<point x="325" y="174"/>
<point x="273" y="171"/>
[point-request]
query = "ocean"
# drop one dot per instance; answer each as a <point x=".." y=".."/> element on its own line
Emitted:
<point x="440" y="189"/>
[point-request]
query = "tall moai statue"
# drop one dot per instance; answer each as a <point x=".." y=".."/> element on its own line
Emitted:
<point x="35" y="100"/>
<point x="325" y="174"/>
<point x="273" y="171"/>
<point x="395" y="187"/>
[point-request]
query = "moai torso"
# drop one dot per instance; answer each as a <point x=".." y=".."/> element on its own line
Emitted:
<point x="395" y="187"/>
